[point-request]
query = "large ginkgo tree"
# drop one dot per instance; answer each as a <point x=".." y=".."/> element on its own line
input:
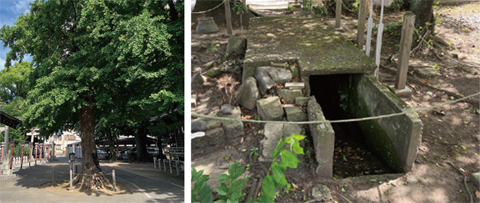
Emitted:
<point x="87" y="55"/>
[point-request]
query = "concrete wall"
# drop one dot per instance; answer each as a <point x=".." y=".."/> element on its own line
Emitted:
<point x="396" y="139"/>
<point x="323" y="139"/>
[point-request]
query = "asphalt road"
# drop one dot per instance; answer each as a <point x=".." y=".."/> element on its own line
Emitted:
<point x="145" y="185"/>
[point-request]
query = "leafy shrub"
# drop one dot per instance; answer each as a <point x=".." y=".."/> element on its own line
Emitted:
<point x="232" y="192"/>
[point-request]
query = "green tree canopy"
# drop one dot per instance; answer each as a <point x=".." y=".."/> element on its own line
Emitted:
<point x="87" y="54"/>
<point x="13" y="90"/>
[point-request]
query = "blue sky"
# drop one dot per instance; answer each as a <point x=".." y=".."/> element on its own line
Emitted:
<point x="10" y="10"/>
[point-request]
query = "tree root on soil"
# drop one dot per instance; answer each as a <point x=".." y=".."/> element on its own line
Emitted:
<point x="440" y="41"/>
<point x="343" y="197"/>
<point x="472" y="101"/>
<point x="93" y="182"/>
<point x="464" y="181"/>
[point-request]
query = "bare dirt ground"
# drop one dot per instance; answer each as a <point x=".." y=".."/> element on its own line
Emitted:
<point x="143" y="169"/>
<point x="450" y="133"/>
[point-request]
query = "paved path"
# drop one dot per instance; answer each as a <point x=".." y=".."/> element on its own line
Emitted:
<point x="146" y="185"/>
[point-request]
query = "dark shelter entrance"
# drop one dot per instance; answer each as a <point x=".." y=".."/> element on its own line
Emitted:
<point x="353" y="154"/>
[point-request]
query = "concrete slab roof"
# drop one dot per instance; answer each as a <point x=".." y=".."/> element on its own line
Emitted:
<point x="310" y="41"/>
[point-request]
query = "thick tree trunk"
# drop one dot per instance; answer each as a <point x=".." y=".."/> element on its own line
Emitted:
<point x="91" y="176"/>
<point x="88" y="140"/>
<point x="141" y="140"/>
<point x="423" y="10"/>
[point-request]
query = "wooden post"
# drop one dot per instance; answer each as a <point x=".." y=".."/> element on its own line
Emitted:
<point x="405" y="46"/>
<point x="30" y="154"/>
<point x="361" y="23"/>
<point x="369" y="30"/>
<point x="114" y="182"/>
<point x="228" y="17"/>
<point x="21" y="161"/>
<point x="1" y="161"/>
<point x="338" y="13"/>
<point x="379" y="41"/>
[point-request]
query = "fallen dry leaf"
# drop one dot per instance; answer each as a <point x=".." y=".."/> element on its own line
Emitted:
<point x="477" y="194"/>
<point x="246" y="117"/>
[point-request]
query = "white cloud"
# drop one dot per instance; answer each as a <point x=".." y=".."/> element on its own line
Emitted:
<point x="22" y="5"/>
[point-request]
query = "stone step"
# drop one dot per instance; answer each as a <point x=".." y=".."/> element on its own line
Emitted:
<point x="267" y="4"/>
<point x="476" y="179"/>
<point x="295" y="85"/>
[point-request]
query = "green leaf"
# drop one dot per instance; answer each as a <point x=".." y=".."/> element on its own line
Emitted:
<point x="279" y="177"/>
<point x="238" y="184"/>
<point x="464" y="148"/>
<point x="220" y="201"/>
<point x="200" y="184"/>
<point x="205" y="195"/>
<point x="268" y="188"/>
<point x="298" y="137"/>
<point x="238" y="172"/>
<point x="263" y="199"/>
<point x="233" y="168"/>
<point x="281" y="165"/>
<point x="196" y="175"/>
<point x="279" y="148"/>
<point x="193" y="197"/>
<point x="223" y="178"/>
<point x="290" y="159"/>
<point x="237" y="196"/>
<point x="297" y="148"/>
<point x="222" y="190"/>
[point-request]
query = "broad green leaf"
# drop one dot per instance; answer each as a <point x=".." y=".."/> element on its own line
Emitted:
<point x="268" y="188"/>
<point x="193" y="197"/>
<point x="222" y="190"/>
<point x="199" y="184"/>
<point x="296" y="143"/>
<point x="233" y="168"/>
<point x="238" y="184"/>
<point x="238" y="172"/>
<point x="205" y="195"/>
<point x="281" y="165"/>
<point x="263" y="199"/>
<point x="298" y="137"/>
<point x="290" y="159"/>
<point x="220" y="201"/>
<point x="223" y="178"/>
<point x="279" y="148"/>
<point x="297" y="148"/>
<point x="279" y="177"/>
<point x="237" y="196"/>
<point x="195" y="174"/>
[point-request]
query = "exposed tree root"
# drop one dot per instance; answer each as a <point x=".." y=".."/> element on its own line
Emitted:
<point x="464" y="180"/>
<point x="93" y="182"/>
<point x="472" y="101"/>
